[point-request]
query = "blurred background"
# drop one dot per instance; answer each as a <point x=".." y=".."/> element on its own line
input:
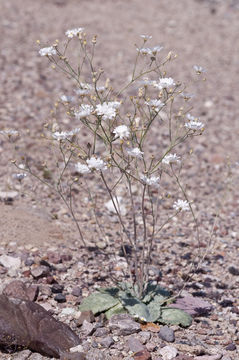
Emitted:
<point x="201" y="32"/>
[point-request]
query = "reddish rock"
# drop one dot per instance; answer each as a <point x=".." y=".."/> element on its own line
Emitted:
<point x="20" y="290"/>
<point x="66" y="257"/>
<point x="192" y="305"/>
<point x="54" y="257"/>
<point x="40" y="271"/>
<point x="25" y="323"/>
<point x="142" y="355"/>
<point x="85" y="315"/>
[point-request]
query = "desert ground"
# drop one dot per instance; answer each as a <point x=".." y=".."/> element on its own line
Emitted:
<point x="35" y="224"/>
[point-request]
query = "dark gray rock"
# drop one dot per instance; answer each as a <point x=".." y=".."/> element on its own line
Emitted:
<point x="124" y="324"/>
<point x="231" y="347"/>
<point x="233" y="270"/>
<point x="57" y="288"/>
<point x="134" y="344"/>
<point x="101" y="331"/>
<point x="166" y="334"/>
<point x="25" y="323"/>
<point x="87" y="328"/>
<point x="106" y="342"/>
<point x="60" y="298"/>
<point x="76" y="291"/>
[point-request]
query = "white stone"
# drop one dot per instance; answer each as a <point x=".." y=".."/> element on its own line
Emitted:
<point x="67" y="311"/>
<point x="168" y="352"/>
<point x="10" y="262"/>
<point x="77" y="348"/>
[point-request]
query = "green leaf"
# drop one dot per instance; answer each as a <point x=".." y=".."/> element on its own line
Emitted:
<point x="153" y="290"/>
<point x="117" y="309"/>
<point x="98" y="302"/>
<point x="174" y="316"/>
<point x="134" y="306"/>
<point x="155" y="307"/>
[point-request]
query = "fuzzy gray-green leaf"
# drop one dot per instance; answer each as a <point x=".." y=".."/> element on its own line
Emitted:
<point x="174" y="316"/>
<point x="98" y="302"/>
<point x="117" y="309"/>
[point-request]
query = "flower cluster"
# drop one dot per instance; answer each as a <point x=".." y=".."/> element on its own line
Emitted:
<point x="93" y="163"/>
<point x="164" y="83"/>
<point x="47" y="51"/>
<point x="150" y="51"/>
<point x="156" y="105"/>
<point x="66" y="98"/>
<point x="135" y="152"/>
<point x="84" y="111"/>
<point x="122" y="132"/>
<point x="151" y="181"/>
<point x="74" y="32"/>
<point x="65" y="135"/>
<point x="171" y="159"/>
<point x="107" y="110"/>
<point x="181" y="205"/>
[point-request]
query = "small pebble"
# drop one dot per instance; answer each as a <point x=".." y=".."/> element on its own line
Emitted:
<point x="166" y="334"/>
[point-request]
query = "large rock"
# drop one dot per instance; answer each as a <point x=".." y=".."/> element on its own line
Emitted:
<point x="25" y="323"/>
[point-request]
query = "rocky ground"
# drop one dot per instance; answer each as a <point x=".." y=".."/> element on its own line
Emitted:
<point x="37" y="234"/>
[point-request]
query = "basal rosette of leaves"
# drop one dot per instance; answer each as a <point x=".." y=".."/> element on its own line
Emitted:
<point x="153" y="306"/>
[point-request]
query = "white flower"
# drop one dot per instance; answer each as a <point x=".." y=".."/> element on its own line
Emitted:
<point x="181" y="205"/>
<point x="82" y="92"/>
<point x="146" y="81"/>
<point x="190" y="117"/>
<point x="150" y="51"/>
<point x="85" y="110"/>
<point x="47" y="51"/>
<point x="100" y="88"/>
<point x="19" y="176"/>
<point x="171" y="159"/>
<point x="155" y="104"/>
<point x="63" y="135"/>
<point x="107" y="110"/>
<point x="122" y="131"/>
<point x="135" y="152"/>
<point x="164" y="83"/>
<point x="9" y="132"/>
<point x="151" y="181"/>
<point x="74" y="32"/>
<point x="82" y="168"/>
<point x="66" y="98"/>
<point x="194" y="125"/>
<point x="96" y="163"/>
<point x="60" y="135"/>
<point x="199" y="69"/>
<point x="146" y="37"/>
